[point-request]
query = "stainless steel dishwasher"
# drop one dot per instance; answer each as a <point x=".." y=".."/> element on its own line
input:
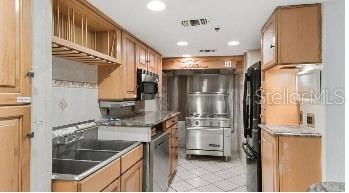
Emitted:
<point x="156" y="163"/>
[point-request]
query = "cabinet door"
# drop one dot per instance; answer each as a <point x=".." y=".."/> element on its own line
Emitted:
<point x="174" y="158"/>
<point x="159" y="72"/>
<point x="131" y="180"/>
<point x="14" y="148"/>
<point x="15" y="50"/>
<point x="130" y="66"/>
<point x="111" y="83"/>
<point x="142" y="56"/>
<point x="300" y="162"/>
<point x="270" y="179"/>
<point x="151" y="61"/>
<point x="170" y="157"/>
<point x="269" y="43"/>
<point x="113" y="187"/>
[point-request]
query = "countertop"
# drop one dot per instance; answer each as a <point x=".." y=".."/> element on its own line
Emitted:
<point x="328" y="187"/>
<point x="290" y="130"/>
<point x="143" y="119"/>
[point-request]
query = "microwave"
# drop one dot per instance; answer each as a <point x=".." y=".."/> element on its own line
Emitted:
<point x="308" y="86"/>
<point x="147" y="85"/>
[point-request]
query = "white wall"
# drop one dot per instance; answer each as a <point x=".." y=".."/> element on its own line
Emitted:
<point x="75" y="92"/>
<point x="334" y="78"/>
<point x="41" y="147"/>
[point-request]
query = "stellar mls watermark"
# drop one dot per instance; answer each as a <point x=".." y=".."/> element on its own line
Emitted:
<point x="285" y="96"/>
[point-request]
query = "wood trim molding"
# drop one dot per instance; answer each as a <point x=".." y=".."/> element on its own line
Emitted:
<point x="205" y="62"/>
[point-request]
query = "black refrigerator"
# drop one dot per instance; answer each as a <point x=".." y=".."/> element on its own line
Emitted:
<point x="251" y="145"/>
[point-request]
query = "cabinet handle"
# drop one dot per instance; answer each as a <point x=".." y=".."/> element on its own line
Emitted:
<point x="30" y="74"/>
<point x="30" y="135"/>
<point x="272" y="46"/>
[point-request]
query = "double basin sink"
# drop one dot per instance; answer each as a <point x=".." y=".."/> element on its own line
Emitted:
<point x="79" y="160"/>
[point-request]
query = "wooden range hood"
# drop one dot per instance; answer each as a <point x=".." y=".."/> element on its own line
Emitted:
<point x="204" y="62"/>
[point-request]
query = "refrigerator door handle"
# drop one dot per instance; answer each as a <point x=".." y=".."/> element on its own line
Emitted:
<point x="248" y="152"/>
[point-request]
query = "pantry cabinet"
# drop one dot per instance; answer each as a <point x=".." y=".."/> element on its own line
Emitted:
<point x="292" y="35"/>
<point x="130" y="65"/>
<point x="15" y="148"/>
<point x="15" y="52"/>
<point x="293" y="162"/>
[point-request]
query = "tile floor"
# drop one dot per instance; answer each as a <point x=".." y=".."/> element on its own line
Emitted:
<point x="208" y="174"/>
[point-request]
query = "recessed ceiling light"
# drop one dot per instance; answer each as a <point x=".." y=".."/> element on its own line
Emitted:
<point x="182" y="43"/>
<point x="186" y="55"/>
<point x="233" y="43"/>
<point x="156" y="5"/>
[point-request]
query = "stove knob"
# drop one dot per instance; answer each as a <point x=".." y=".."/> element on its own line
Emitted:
<point x="196" y="122"/>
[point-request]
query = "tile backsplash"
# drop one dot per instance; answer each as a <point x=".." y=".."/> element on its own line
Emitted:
<point x="75" y="92"/>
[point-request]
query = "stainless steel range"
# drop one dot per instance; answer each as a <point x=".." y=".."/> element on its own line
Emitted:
<point x="208" y="135"/>
<point x="208" y="124"/>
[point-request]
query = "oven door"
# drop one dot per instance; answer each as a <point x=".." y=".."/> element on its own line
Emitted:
<point x="203" y="138"/>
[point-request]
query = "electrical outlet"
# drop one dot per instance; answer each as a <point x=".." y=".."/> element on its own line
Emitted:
<point x="311" y="120"/>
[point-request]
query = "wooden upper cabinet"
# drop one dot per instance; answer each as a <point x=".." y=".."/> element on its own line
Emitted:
<point x="152" y="61"/>
<point x="130" y="65"/>
<point x="158" y="71"/>
<point x="15" y="148"/>
<point x="142" y="56"/>
<point x="111" y="86"/>
<point x="269" y="43"/>
<point x="269" y="152"/>
<point x="84" y="34"/>
<point x="15" y="51"/>
<point x="292" y="35"/>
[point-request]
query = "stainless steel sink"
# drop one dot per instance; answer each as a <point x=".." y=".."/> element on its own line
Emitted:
<point x="73" y="167"/>
<point x="87" y="155"/>
<point x="77" y="160"/>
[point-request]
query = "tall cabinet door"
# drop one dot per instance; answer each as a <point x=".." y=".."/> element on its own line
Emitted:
<point x="130" y="65"/>
<point x="142" y="56"/>
<point x="14" y="148"/>
<point x="15" y="51"/>
<point x="151" y="61"/>
<point x="269" y="43"/>
<point x="270" y="179"/>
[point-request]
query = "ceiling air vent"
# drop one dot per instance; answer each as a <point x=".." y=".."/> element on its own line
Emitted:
<point x="207" y="51"/>
<point x="194" y="22"/>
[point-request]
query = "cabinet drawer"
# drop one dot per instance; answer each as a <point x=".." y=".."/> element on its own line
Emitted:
<point x="113" y="187"/>
<point x="100" y="179"/>
<point x="132" y="157"/>
<point x="171" y="122"/>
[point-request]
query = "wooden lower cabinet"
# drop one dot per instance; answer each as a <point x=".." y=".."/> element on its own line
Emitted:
<point x="14" y="148"/>
<point x="290" y="163"/>
<point x="171" y="126"/>
<point x="269" y="163"/>
<point x="114" y="186"/>
<point x="124" y="174"/>
<point x="131" y="180"/>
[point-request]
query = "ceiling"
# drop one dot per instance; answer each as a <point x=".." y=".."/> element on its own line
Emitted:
<point x="239" y="20"/>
